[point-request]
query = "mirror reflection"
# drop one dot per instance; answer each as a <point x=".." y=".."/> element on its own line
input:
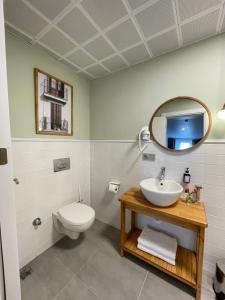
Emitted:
<point x="180" y="123"/>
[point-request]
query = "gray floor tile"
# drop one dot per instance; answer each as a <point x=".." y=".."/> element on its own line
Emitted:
<point x="206" y="295"/>
<point x="160" y="286"/>
<point x="33" y="288"/>
<point x="76" y="290"/>
<point x="94" y="257"/>
<point x="113" y="278"/>
<point x="207" y="282"/>
<point x="52" y="273"/>
<point x="75" y="253"/>
<point x="105" y="237"/>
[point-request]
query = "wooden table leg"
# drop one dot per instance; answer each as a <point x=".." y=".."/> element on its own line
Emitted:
<point x="122" y="228"/>
<point x="133" y="220"/>
<point x="200" y="253"/>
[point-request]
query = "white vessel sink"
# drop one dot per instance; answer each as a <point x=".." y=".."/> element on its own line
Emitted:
<point x="161" y="193"/>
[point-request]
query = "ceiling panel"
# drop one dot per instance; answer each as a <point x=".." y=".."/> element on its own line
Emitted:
<point x="156" y="17"/>
<point x="104" y="12"/>
<point x="23" y="17"/>
<point x="189" y="8"/>
<point x="124" y="35"/>
<point x="55" y="40"/>
<point x="77" y="26"/>
<point x="136" y="3"/>
<point x="112" y="34"/>
<point x="136" y="54"/>
<point x="97" y="71"/>
<point x="200" y="28"/>
<point x="99" y="48"/>
<point x="114" y="63"/>
<point x="69" y="64"/>
<point x="14" y="32"/>
<point x="49" y="51"/>
<point x="50" y="8"/>
<point x="164" y="43"/>
<point x="80" y="58"/>
<point x="86" y="75"/>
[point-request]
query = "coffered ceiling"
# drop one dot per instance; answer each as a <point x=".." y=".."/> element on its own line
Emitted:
<point x="99" y="37"/>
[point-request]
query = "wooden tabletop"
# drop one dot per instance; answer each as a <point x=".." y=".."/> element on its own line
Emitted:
<point x="181" y="211"/>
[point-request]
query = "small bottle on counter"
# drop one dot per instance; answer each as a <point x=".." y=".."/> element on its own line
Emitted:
<point x="187" y="176"/>
<point x="198" y="189"/>
<point x="186" y="181"/>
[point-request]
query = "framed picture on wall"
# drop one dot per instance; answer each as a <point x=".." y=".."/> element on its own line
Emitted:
<point x="53" y="105"/>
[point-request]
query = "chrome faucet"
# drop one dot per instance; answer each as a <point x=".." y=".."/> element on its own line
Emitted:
<point x="162" y="174"/>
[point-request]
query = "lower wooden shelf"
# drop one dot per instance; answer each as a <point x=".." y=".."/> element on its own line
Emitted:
<point x="184" y="270"/>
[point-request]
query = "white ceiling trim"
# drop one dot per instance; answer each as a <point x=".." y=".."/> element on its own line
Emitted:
<point x="35" y="10"/>
<point x="102" y="33"/>
<point x="221" y="17"/>
<point x="177" y="22"/>
<point x="136" y="25"/>
<point x="160" y="33"/>
<point x="131" y="15"/>
<point x="201" y="14"/>
<point x="82" y="45"/>
<point x="114" y="54"/>
<point x="56" y="20"/>
<point x="46" y="47"/>
<point x="144" y="6"/>
<point x="131" y="47"/>
<point x="18" y="30"/>
<point x="71" y="63"/>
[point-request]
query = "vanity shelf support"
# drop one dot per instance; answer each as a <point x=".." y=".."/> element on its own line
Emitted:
<point x="188" y="268"/>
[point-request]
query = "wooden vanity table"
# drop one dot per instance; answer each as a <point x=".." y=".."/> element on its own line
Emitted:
<point x="188" y="268"/>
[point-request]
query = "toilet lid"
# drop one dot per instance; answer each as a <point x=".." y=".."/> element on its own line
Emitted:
<point x="76" y="213"/>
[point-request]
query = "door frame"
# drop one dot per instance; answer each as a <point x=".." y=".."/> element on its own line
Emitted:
<point x="7" y="205"/>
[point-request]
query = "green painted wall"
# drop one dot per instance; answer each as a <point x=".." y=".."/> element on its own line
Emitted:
<point x="123" y="102"/>
<point x="120" y="104"/>
<point x="21" y="61"/>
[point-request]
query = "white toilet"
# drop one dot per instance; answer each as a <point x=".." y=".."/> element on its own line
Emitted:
<point x="73" y="219"/>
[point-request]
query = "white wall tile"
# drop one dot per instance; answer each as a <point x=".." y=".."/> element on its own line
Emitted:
<point x="123" y="161"/>
<point x="41" y="191"/>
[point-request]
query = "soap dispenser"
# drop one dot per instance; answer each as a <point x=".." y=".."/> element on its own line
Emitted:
<point x="187" y="176"/>
<point x="186" y="181"/>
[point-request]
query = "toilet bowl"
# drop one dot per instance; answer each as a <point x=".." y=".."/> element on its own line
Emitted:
<point x="73" y="219"/>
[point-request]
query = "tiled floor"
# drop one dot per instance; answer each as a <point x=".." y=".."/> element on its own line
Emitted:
<point x="91" y="268"/>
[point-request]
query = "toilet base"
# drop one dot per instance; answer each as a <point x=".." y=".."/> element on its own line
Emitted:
<point x="61" y="229"/>
<point x="72" y="234"/>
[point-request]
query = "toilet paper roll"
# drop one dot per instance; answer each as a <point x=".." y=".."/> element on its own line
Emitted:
<point x="113" y="188"/>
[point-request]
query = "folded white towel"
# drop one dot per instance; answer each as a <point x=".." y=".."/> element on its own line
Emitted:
<point x="161" y="254"/>
<point x="158" y="242"/>
<point x="150" y="251"/>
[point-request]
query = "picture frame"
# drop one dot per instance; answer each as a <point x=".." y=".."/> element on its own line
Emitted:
<point x="53" y="105"/>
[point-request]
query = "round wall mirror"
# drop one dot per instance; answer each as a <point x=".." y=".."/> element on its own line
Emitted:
<point x="180" y="123"/>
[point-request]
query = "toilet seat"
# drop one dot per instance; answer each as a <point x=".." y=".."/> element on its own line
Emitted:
<point x="73" y="219"/>
<point x="76" y="214"/>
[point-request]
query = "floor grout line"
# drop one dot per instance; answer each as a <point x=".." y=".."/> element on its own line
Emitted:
<point x="87" y="264"/>
<point x="143" y="283"/>
<point x="76" y="274"/>
<point x="89" y="288"/>
<point x="63" y="288"/>
<point x="84" y="265"/>
<point x="68" y="268"/>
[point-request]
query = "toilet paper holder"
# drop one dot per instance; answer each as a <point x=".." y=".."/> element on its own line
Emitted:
<point x="114" y="186"/>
